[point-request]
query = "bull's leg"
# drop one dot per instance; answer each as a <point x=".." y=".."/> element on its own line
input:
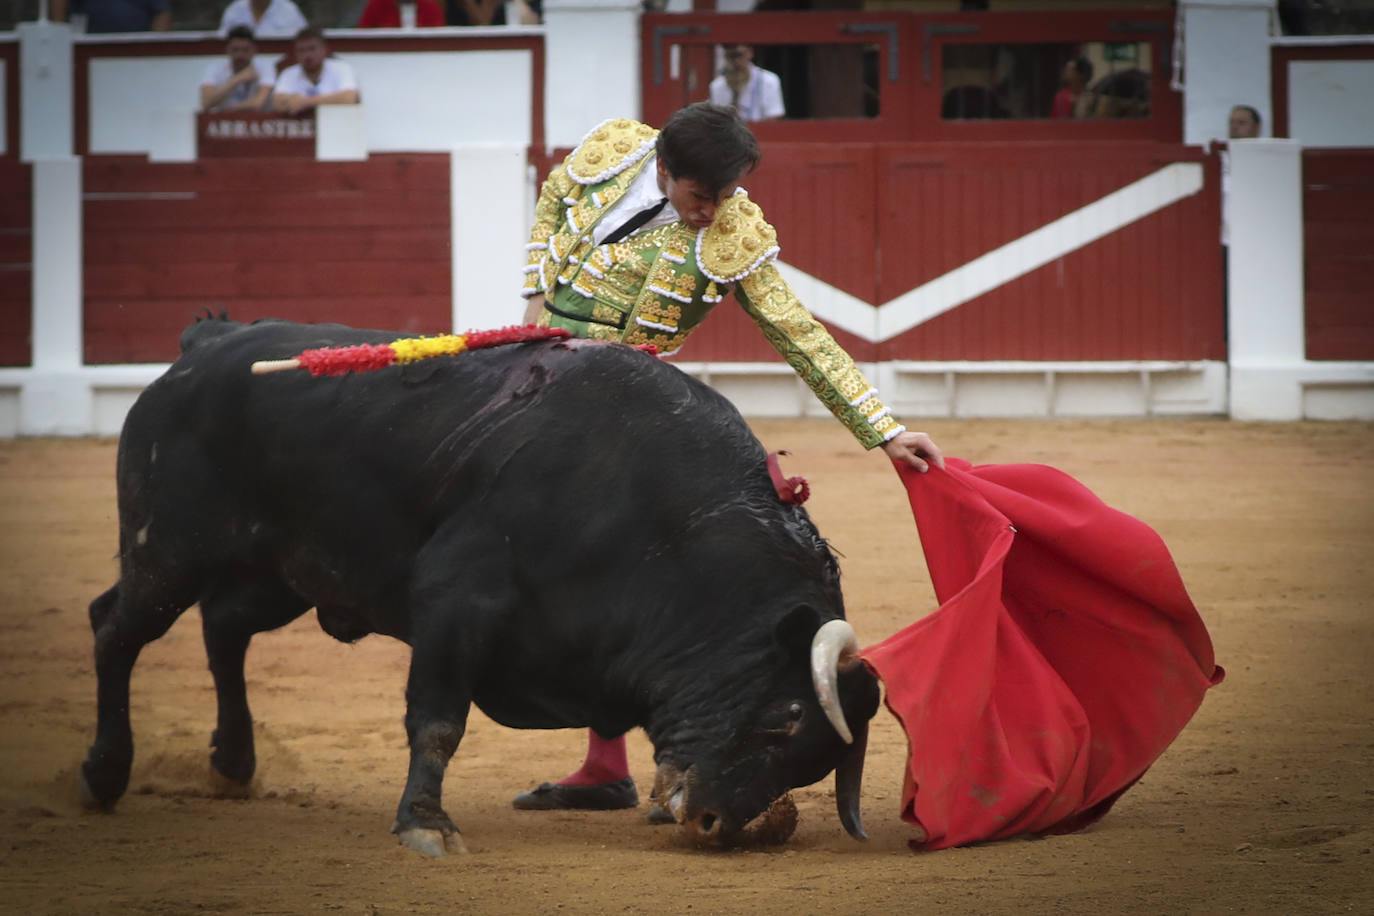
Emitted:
<point x="230" y="615"/>
<point x="125" y="619"/>
<point x="437" y="702"/>
<point x="461" y="593"/>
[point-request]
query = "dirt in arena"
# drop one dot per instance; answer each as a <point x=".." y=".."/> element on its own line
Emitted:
<point x="1265" y="804"/>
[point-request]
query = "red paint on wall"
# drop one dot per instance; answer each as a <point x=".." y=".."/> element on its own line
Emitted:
<point x="363" y="243"/>
<point x="1338" y="262"/>
<point x="16" y="262"/>
<point x="878" y="220"/>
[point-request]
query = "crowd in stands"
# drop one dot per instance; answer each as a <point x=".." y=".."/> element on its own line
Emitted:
<point x="315" y="78"/>
<point x="276" y="19"/>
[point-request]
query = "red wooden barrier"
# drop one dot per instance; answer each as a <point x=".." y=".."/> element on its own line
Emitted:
<point x="16" y="257"/>
<point x="1338" y="264"/>
<point x="363" y="243"/>
<point x="878" y="220"/>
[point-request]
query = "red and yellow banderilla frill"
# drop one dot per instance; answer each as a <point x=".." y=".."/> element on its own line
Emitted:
<point x="369" y="357"/>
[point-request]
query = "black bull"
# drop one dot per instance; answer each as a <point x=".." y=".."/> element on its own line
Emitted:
<point x="565" y="533"/>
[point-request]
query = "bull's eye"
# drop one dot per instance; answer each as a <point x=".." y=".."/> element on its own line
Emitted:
<point x="796" y="712"/>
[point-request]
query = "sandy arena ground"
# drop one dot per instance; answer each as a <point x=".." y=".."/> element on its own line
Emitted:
<point x="1265" y="804"/>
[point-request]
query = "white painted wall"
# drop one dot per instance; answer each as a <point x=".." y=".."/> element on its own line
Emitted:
<point x="489" y="231"/>
<point x="45" y="90"/>
<point x="1331" y="102"/>
<point x="1225" y="63"/>
<point x="55" y="401"/>
<point x="1271" y="378"/>
<point x="592" y="56"/>
<point x="131" y="96"/>
<point x="436" y="100"/>
<point x="422" y="102"/>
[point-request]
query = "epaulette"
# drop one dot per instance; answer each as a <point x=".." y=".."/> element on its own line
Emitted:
<point x="738" y="242"/>
<point x="609" y="149"/>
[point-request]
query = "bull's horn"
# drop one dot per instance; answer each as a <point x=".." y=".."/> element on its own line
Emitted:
<point x="833" y="640"/>
<point x="849" y="776"/>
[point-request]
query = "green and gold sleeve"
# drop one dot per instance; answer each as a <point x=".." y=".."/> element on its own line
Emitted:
<point x="555" y="194"/>
<point x="815" y="356"/>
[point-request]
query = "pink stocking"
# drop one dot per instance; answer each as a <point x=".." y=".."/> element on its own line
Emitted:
<point x="606" y="762"/>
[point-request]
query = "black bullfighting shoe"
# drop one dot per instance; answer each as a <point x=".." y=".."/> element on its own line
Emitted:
<point x="607" y="796"/>
<point x="659" y="815"/>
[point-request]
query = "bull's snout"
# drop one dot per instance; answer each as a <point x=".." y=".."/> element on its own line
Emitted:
<point x="704" y="827"/>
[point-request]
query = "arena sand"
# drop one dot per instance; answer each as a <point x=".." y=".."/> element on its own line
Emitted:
<point x="1265" y="804"/>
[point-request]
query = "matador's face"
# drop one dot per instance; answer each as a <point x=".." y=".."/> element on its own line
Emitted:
<point x="692" y="199"/>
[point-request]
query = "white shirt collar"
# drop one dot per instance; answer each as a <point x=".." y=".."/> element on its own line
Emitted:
<point x="642" y="193"/>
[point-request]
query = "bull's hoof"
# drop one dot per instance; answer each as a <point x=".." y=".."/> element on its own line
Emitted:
<point x="432" y="843"/>
<point x="99" y="791"/>
<point x="89" y="799"/>
<point x="235" y="766"/>
<point x="224" y="787"/>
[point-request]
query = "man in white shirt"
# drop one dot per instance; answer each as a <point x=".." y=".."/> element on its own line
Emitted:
<point x="267" y="18"/>
<point x="232" y="83"/>
<point x="316" y="78"/>
<point x="754" y="92"/>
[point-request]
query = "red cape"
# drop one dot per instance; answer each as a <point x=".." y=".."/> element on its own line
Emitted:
<point x="1064" y="658"/>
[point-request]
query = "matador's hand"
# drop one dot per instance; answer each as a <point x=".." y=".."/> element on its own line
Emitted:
<point x="915" y="449"/>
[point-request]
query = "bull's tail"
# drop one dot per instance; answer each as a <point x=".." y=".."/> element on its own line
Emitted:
<point x="207" y="327"/>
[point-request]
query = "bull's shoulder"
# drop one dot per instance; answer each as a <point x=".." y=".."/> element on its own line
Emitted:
<point x="739" y="242"/>
<point x="609" y="149"/>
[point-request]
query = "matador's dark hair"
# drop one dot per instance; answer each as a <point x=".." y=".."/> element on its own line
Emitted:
<point x="708" y="143"/>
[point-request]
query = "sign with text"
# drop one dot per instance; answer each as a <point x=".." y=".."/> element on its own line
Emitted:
<point x="254" y="133"/>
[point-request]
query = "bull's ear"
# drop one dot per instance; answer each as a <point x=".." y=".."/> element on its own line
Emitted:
<point x="859" y="693"/>
<point x="796" y="629"/>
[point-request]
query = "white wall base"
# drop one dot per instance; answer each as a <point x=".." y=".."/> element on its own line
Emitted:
<point x="1303" y="391"/>
<point x="1067" y="389"/>
<point x="95" y="399"/>
<point x="89" y="401"/>
<point x="977" y="389"/>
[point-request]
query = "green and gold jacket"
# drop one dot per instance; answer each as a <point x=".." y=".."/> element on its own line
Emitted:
<point x="656" y="286"/>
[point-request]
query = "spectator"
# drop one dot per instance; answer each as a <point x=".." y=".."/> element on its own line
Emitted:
<point x="1073" y="100"/>
<point x="267" y="18"/>
<point x="752" y="91"/>
<point x="116" y="15"/>
<point x="386" y="14"/>
<point x="316" y="79"/>
<point x="1243" y="123"/>
<point x="490" y="12"/>
<point x="233" y="83"/>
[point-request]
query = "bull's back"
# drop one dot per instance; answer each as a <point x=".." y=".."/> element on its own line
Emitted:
<point x="358" y="471"/>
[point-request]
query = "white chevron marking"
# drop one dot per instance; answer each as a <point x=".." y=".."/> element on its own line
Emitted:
<point x="1001" y="265"/>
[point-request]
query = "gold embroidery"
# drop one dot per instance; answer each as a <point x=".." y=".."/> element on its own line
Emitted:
<point x="603" y="312"/>
<point x="685" y="285"/>
<point x="662" y="275"/>
<point x="602" y="332"/>
<point x="678" y="245"/>
<point x="815" y="356"/>
<point x="610" y="149"/>
<point x="738" y="240"/>
<point x="659" y="311"/>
